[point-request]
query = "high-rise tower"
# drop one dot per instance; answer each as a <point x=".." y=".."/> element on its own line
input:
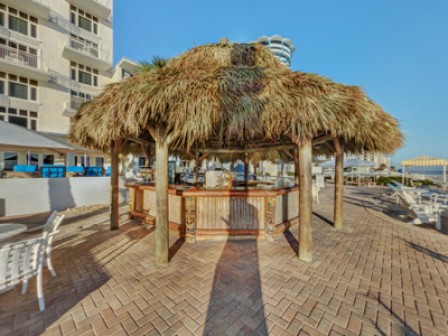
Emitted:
<point x="280" y="46"/>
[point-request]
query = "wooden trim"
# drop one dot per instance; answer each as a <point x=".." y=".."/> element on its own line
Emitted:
<point x="162" y="234"/>
<point x="339" y="184"/>
<point x="197" y="192"/>
<point x="233" y="232"/>
<point x="114" y="198"/>
<point x="305" y="200"/>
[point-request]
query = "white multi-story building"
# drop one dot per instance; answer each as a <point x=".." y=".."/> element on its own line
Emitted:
<point x="280" y="46"/>
<point x="54" y="56"/>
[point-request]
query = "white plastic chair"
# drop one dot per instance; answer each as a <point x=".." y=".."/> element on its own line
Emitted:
<point x="50" y="228"/>
<point x="315" y="193"/>
<point x="48" y="222"/>
<point x="19" y="262"/>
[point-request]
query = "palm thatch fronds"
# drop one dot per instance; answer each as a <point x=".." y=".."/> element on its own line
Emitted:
<point x="233" y="96"/>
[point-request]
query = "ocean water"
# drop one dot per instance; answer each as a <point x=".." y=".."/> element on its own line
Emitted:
<point x="434" y="171"/>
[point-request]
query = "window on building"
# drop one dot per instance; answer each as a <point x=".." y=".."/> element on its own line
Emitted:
<point x="99" y="161"/>
<point x="18" y="90"/>
<point x="20" y="87"/>
<point x="85" y="77"/>
<point x="11" y="159"/>
<point x="18" y="21"/>
<point x="84" y="20"/>
<point x="48" y="159"/>
<point x="32" y="159"/>
<point x="18" y="25"/>
<point x="17" y="120"/>
<point x="84" y="74"/>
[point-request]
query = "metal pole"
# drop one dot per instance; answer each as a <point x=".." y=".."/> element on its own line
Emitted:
<point x="29" y="158"/>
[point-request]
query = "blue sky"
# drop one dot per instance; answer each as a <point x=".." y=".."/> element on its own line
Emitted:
<point x="396" y="50"/>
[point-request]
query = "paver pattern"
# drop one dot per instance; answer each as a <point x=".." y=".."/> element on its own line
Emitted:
<point x="376" y="276"/>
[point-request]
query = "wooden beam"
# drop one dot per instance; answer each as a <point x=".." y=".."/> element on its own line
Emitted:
<point x="114" y="199"/>
<point x="339" y="183"/>
<point x="296" y="167"/>
<point x="246" y="150"/>
<point x="140" y="141"/>
<point x="305" y="199"/>
<point x="162" y="236"/>
<point x="197" y="162"/>
<point x="147" y="151"/>
<point x="246" y="167"/>
<point x="322" y="139"/>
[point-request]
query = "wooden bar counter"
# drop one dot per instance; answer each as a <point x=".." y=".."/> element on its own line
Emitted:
<point x="236" y="213"/>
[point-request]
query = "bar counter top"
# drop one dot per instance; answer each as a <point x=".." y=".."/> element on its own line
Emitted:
<point x="192" y="191"/>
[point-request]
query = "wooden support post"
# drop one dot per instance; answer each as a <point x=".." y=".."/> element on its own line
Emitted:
<point x="296" y="167"/>
<point x="246" y="167"/>
<point x="269" y="218"/>
<point x="114" y="197"/>
<point x="131" y="201"/>
<point x="162" y="234"/>
<point x="305" y="199"/>
<point x="197" y="162"/>
<point x="147" y="151"/>
<point x="190" y="219"/>
<point x="339" y="183"/>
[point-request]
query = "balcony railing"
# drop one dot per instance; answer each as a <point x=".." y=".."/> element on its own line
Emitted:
<point x="14" y="55"/>
<point x="104" y="3"/>
<point x="18" y="103"/>
<point x="72" y="28"/>
<point x="76" y="102"/>
<point x="64" y="81"/>
<point x="86" y="48"/>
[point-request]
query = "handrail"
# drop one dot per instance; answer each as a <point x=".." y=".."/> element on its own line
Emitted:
<point x="80" y="45"/>
<point x="19" y="56"/>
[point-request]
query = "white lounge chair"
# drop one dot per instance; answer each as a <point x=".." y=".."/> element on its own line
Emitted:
<point x="424" y="213"/>
<point x="19" y="262"/>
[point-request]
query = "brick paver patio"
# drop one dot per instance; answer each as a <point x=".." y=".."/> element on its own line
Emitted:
<point x="376" y="276"/>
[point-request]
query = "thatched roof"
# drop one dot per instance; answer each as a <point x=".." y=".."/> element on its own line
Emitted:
<point x="234" y="96"/>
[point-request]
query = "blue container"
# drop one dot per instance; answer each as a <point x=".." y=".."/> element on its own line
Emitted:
<point x="94" y="171"/>
<point x="52" y="171"/>
<point x="24" y="169"/>
<point x="75" y="169"/>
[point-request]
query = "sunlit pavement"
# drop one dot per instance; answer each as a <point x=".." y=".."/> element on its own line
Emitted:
<point x="376" y="276"/>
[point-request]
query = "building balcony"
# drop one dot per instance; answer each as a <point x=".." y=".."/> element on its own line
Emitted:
<point x="39" y="8"/>
<point x="22" y="64"/>
<point x="100" y="8"/>
<point x="65" y="82"/>
<point x="9" y="34"/>
<point x="70" y="28"/>
<point x="20" y="104"/>
<point x="72" y="106"/>
<point x="79" y="51"/>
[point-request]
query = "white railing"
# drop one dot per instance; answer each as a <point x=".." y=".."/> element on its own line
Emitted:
<point x="104" y="3"/>
<point x="18" y="56"/>
<point x="62" y="80"/>
<point x="74" y="103"/>
<point x="72" y="28"/>
<point x="22" y="104"/>
<point x="86" y="48"/>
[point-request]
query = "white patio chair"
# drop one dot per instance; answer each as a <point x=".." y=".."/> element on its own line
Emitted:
<point x="50" y="228"/>
<point x="48" y="222"/>
<point x="315" y="193"/>
<point x="19" y="262"/>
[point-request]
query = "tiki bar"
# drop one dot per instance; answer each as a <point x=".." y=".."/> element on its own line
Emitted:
<point x="231" y="101"/>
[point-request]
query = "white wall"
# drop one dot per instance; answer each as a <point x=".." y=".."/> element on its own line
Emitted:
<point x="36" y="195"/>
